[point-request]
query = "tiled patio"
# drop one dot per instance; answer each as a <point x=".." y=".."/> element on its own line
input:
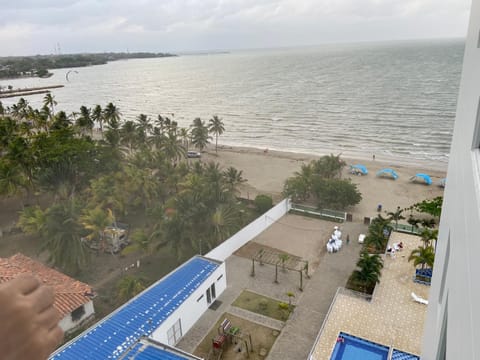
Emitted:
<point x="392" y="318"/>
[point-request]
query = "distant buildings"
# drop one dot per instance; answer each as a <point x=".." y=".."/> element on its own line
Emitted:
<point x="73" y="299"/>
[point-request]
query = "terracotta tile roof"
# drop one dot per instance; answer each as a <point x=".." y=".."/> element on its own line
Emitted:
<point x="69" y="293"/>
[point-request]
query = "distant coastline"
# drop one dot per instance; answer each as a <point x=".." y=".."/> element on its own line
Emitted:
<point x="15" y="67"/>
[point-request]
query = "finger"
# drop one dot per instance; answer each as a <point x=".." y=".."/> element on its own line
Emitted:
<point x="25" y="283"/>
<point x="49" y="318"/>
<point x="42" y="298"/>
<point x="55" y="336"/>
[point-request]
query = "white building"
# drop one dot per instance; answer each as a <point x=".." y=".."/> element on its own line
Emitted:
<point x="452" y="328"/>
<point x="164" y="312"/>
<point x="73" y="299"/>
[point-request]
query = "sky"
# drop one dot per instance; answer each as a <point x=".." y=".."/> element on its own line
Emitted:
<point x="29" y="27"/>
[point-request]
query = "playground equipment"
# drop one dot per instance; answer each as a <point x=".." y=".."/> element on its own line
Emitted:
<point x="229" y="335"/>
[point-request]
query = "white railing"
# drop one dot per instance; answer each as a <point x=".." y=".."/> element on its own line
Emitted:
<point x="249" y="232"/>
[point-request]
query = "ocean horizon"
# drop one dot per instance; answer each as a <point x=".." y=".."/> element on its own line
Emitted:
<point x="394" y="100"/>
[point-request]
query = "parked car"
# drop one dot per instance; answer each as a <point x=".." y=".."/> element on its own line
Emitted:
<point x="193" y="154"/>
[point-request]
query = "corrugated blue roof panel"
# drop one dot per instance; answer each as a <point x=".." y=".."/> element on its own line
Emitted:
<point x="115" y="334"/>
<point x="152" y="353"/>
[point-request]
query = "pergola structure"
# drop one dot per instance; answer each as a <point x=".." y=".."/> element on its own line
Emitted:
<point x="283" y="260"/>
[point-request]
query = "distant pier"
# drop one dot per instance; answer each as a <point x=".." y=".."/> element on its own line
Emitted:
<point x="28" y="91"/>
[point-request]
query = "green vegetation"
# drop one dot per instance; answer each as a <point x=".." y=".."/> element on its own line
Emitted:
<point x="367" y="274"/>
<point x="128" y="287"/>
<point x="129" y="170"/>
<point x="264" y="305"/>
<point x="18" y="66"/>
<point x="320" y="181"/>
<point x="378" y="234"/>
<point x="263" y="203"/>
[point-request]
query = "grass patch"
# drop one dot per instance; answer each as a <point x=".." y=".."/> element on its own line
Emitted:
<point x="263" y="305"/>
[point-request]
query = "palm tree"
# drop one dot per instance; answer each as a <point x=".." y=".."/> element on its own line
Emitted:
<point x="200" y="137"/>
<point x="173" y="148"/>
<point x="216" y="127"/>
<point x="144" y="126"/>
<point x="98" y="117"/>
<point x="128" y="287"/>
<point x="225" y="220"/>
<point x="49" y="101"/>
<point x="12" y="179"/>
<point x="233" y="178"/>
<point x="32" y="220"/>
<point x="140" y="240"/>
<point x="95" y="221"/>
<point x="62" y="237"/>
<point x="185" y="136"/>
<point x="84" y="121"/>
<point x="129" y="136"/>
<point x="396" y="215"/>
<point x="329" y="166"/>
<point x="424" y="256"/>
<point x="111" y="115"/>
<point x="427" y="235"/>
<point x="369" y="270"/>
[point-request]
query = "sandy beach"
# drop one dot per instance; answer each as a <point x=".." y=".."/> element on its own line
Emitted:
<point x="266" y="172"/>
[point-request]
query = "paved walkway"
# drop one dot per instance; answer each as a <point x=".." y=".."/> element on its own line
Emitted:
<point x="299" y="332"/>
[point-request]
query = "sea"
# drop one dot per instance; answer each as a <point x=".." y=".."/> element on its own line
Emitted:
<point x="392" y="99"/>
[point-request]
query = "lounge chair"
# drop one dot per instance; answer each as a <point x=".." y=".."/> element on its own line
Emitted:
<point x="361" y="238"/>
<point x="419" y="299"/>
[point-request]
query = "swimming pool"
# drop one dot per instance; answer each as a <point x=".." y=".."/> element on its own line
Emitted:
<point x="354" y="348"/>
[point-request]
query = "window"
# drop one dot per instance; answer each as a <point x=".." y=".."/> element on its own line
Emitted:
<point x="211" y="294"/>
<point x="200" y="298"/>
<point x="174" y="334"/>
<point x="78" y="313"/>
<point x="221" y="276"/>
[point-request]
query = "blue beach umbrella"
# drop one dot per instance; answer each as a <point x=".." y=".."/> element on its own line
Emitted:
<point x="422" y="178"/>
<point x="358" y="169"/>
<point x="388" y="173"/>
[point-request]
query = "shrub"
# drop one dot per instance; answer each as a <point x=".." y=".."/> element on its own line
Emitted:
<point x="263" y="203"/>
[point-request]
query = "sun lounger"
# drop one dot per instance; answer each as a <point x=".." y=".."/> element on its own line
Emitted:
<point x="361" y="238"/>
<point x="419" y="299"/>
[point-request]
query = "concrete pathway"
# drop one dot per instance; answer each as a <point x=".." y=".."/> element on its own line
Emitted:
<point x="299" y="332"/>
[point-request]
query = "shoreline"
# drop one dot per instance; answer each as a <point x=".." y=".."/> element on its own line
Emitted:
<point x="386" y="161"/>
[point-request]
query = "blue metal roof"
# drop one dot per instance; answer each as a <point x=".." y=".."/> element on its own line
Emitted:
<point x="148" y="352"/>
<point x="112" y="336"/>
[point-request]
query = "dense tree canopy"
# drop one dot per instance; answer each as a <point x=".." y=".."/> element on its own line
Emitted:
<point x="321" y="181"/>
<point x="135" y="168"/>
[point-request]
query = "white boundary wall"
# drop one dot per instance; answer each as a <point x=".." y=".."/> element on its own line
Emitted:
<point x="256" y="227"/>
<point x="193" y="307"/>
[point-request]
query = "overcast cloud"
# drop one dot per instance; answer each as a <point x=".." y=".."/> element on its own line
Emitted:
<point x="37" y="26"/>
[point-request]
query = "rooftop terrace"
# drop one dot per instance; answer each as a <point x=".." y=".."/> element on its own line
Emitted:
<point x="391" y="318"/>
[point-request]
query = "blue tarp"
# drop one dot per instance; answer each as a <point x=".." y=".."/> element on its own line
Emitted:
<point x="388" y="172"/>
<point x="422" y="177"/>
<point x="358" y="169"/>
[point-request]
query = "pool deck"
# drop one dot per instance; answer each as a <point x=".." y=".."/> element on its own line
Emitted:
<point x="392" y="318"/>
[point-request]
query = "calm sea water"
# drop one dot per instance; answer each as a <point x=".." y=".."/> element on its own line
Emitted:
<point x="392" y="99"/>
